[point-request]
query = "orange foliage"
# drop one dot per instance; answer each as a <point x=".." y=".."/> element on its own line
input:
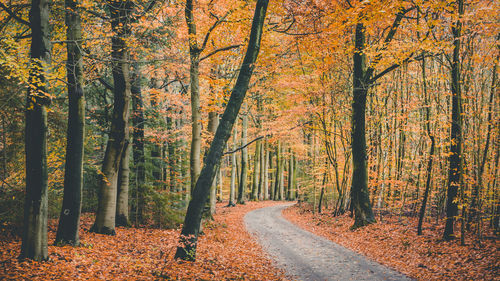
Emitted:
<point x="396" y="244"/>
<point x="225" y="252"/>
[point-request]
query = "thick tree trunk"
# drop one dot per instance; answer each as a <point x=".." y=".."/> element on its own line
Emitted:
<point x="455" y="161"/>
<point x="242" y="187"/>
<point x="122" y="217"/>
<point x="34" y="242"/>
<point x="138" y="145"/>
<point x="190" y="229"/>
<point x="106" y="209"/>
<point x="213" y="123"/>
<point x="194" y="53"/>
<point x="360" y="196"/>
<point x="69" y="219"/>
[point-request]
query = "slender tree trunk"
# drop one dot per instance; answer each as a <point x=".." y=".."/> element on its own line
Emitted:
<point x="138" y="144"/>
<point x="256" y="174"/>
<point x="421" y="214"/>
<point x="244" y="160"/>
<point x="234" y="166"/>
<point x="277" y="172"/>
<point x="191" y="226"/>
<point x="266" y="172"/>
<point x="290" y="177"/>
<point x="172" y="150"/>
<point x="455" y="161"/>
<point x="69" y="219"/>
<point x="281" y="193"/>
<point x="34" y="242"/>
<point x="479" y="182"/>
<point x="106" y="209"/>
<point x="360" y="196"/>
<point x="262" y="156"/>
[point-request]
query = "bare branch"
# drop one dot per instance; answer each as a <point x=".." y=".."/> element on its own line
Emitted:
<point x="219" y="50"/>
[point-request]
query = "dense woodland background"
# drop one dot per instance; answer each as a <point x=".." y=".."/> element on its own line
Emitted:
<point x="379" y="108"/>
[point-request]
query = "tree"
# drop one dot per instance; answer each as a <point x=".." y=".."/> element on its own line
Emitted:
<point x="120" y="12"/>
<point x="34" y="242"/>
<point x="69" y="220"/>
<point x="455" y="161"/>
<point x="363" y="78"/>
<point x="189" y="234"/>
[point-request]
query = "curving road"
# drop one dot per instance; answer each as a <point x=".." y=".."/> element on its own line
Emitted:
<point x="305" y="256"/>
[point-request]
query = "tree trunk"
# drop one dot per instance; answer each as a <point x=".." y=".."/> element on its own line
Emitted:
<point x="244" y="160"/>
<point x="232" y="188"/>
<point x="213" y="123"/>
<point x="290" y="192"/>
<point x="172" y="150"/>
<point x="138" y="145"/>
<point x="479" y="182"/>
<point x="262" y="171"/>
<point x="421" y="214"/>
<point x="69" y="219"/>
<point x="122" y="218"/>
<point x="194" y="53"/>
<point x="34" y="242"/>
<point x="360" y="198"/>
<point x="191" y="226"/>
<point x="106" y="209"/>
<point x="277" y="172"/>
<point x="266" y="173"/>
<point x="455" y="161"/>
<point x="256" y="173"/>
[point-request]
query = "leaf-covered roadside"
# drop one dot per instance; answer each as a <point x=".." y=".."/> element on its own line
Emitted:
<point x="395" y="244"/>
<point x="225" y="252"/>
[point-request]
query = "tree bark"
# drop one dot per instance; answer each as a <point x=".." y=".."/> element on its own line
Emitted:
<point x="256" y="173"/>
<point x="194" y="53"/>
<point x="122" y="216"/>
<point x="421" y="214"/>
<point x="266" y="172"/>
<point x="191" y="226"/>
<point x="232" y="188"/>
<point x="106" y="209"/>
<point x="360" y="198"/>
<point x="69" y="219"/>
<point x="213" y="123"/>
<point x="138" y="144"/>
<point x="291" y="183"/>
<point x="34" y="242"/>
<point x="455" y="161"/>
<point x="244" y="160"/>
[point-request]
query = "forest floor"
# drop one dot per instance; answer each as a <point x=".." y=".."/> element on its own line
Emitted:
<point x="225" y="252"/>
<point x="393" y="242"/>
<point x="306" y="256"/>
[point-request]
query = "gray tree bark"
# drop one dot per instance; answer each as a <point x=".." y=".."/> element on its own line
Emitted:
<point x="69" y="219"/>
<point x="34" y="242"/>
<point x="190" y="230"/>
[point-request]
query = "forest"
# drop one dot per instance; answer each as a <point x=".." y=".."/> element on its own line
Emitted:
<point x="139" y="139"/>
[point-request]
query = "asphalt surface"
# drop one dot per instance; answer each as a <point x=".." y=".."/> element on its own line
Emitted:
<point x="305" y="256"/>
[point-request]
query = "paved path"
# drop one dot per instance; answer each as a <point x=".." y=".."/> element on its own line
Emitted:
<point x="306" y="256"/>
